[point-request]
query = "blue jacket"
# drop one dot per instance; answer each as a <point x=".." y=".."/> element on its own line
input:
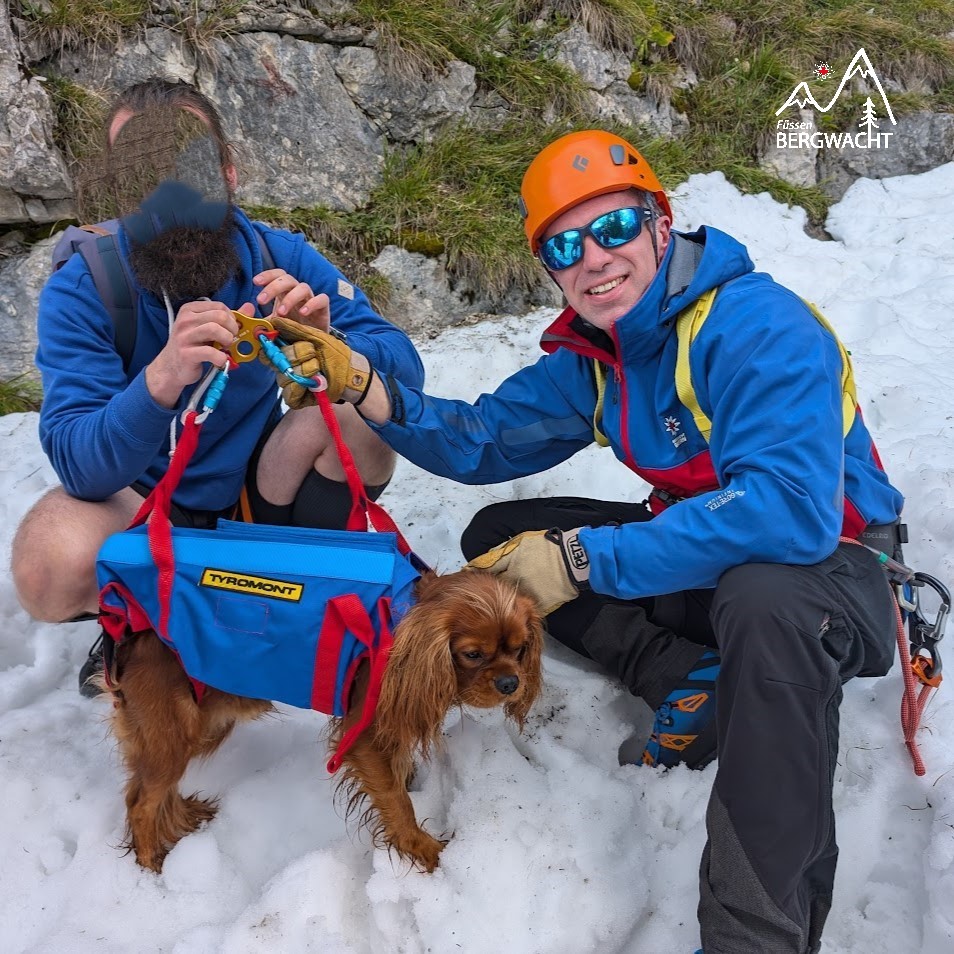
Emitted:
<point x="100" y="426"/>
<point x="765" y="372"/>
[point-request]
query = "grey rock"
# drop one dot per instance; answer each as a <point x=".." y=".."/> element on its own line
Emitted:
<point x="21" y="278"/>
<point x="598" y="68"/>
<point x="796" y="166"/>
<point x="204" y="19"/>
<point x="30" y="163"/>
<point x="920" y="141"/>
<point x="424" y="299"/>
<point x="620" y="103"/>
<point x="12" y="208"/>
<point x="302" y="140"/>
<point x="407" y="109"/>
<point x="49" y="210"/>
<point x="154" y="52"/>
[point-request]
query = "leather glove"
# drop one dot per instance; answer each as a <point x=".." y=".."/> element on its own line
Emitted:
<point x="312" y="352"/>
<point x="549" y="565"/>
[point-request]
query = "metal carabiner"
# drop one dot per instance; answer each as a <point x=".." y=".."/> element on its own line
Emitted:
<point x="925" y="634"/>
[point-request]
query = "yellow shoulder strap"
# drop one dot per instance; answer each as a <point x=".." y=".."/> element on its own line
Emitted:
<point x="599" y="372"/>
<point x="849" y="394"/>
<point x="689" y="323"/>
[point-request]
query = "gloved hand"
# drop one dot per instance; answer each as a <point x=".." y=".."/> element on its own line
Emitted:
<point x="550" y="565"/>
<point x="311" y="352"/>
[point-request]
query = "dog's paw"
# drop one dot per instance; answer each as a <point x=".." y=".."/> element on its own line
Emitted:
<point x="420" y="848"/>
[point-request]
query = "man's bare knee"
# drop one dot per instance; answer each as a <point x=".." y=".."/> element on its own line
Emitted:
<point x="53" y="560"/>
<point x="302" y="442"/>
<point x="374" y="459"/>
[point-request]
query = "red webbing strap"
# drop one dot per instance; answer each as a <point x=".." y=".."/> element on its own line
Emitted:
<point x="363" y="510"/>
<point x="350" y="614"/>
<point x="328" y="652"/>
<point x="158" y="503"/>
<point x="358" y="518"/>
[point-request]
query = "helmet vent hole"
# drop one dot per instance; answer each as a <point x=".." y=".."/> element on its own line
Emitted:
<point x="633" y="160"/>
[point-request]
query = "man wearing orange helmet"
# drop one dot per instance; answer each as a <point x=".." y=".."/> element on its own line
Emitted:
<point x="725" y="600"/>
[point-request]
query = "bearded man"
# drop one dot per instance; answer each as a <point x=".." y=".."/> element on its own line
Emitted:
<point x="109" y="420"/>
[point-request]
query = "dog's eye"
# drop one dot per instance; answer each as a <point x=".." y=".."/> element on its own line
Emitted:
<point x="474" y="654"/>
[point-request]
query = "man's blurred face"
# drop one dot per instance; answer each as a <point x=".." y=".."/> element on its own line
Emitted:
<point x="174" y="199"/>
<point x="606" y="282"/>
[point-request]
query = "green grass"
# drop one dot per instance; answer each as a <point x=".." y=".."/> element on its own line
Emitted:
<point x="457" y="195"/>
<point x="78" y="117"/>
<point x="499" y="38"/>
<point x="21" y="393"/>
<point x="201" y="25"/>
<point x="70" y="23"/>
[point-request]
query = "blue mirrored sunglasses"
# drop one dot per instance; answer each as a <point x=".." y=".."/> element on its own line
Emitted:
<point x="610" y="231"/>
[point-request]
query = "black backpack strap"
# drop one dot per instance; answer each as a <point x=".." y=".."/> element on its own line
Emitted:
<point x="116" y="291"/>
<point x="268" y="261"/>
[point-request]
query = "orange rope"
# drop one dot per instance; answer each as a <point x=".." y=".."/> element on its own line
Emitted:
<point x="912" y="702"/>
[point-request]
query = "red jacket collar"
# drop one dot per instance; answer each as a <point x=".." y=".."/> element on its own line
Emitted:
<point x="562" y="334"/>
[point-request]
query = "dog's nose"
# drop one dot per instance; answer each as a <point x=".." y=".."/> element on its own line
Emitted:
<point x="507" y="684"/>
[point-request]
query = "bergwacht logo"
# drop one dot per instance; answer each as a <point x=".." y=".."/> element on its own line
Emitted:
<point x="259" y="585"/>
<point x="794" y="134"/>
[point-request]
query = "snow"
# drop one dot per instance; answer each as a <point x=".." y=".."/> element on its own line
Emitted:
<point x="555" y="847"/>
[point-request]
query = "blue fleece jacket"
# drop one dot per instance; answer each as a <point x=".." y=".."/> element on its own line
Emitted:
<point x="766" y="373"/>
<point x="101" y="428"/>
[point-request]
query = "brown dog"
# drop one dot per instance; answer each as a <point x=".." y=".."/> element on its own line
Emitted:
<point x="470" y="639"/>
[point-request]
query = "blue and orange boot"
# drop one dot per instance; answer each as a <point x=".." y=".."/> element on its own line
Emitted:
<point x="684" y="729"/>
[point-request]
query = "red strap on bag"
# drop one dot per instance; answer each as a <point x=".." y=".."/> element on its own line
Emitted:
<point x="346" y="614"/>
<point x="363" y="510"/>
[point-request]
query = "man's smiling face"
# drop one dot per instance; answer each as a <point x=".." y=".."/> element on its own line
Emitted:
<point x="606" y="282"/>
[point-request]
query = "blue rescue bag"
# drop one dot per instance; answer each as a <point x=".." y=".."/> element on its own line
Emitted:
<point x="278" y="613"/>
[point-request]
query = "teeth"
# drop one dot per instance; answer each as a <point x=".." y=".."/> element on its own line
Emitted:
<point x="600" y="289"/>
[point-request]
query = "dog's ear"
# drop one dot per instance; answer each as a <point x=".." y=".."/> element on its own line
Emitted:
<point x="532" y="661"/>
<point x="420" y="682"/>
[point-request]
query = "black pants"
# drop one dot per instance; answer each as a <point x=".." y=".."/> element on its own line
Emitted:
<point x="789" y="637"/>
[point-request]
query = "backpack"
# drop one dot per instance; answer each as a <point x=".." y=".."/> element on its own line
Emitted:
<point x="110" y="272"/>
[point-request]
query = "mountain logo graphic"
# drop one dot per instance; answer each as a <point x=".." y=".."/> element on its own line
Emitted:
<point x="860" y="66"/>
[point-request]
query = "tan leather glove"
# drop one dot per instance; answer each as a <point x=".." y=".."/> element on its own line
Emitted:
<point x="312" y="352"/>
<point x="549" y="565"/>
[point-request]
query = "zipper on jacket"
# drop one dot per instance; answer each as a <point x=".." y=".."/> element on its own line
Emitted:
<point x="624" y="403"/>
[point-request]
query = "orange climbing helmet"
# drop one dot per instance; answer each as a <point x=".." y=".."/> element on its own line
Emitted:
<point x="577" y="167"/>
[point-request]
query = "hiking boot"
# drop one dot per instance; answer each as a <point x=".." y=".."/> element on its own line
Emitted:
<point x="92" y="667"/>
<point x="684" y="730"/>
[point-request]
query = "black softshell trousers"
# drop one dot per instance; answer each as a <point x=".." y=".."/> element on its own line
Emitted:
<point x="788" y="637"/>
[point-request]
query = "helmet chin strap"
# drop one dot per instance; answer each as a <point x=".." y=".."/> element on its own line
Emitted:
<point x="652" y="235"/>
